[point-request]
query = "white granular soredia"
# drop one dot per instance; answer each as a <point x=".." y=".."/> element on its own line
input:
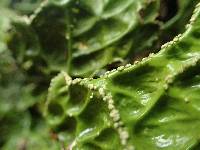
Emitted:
<point x="105" y="99"/>
<point x="91" y="96"/>
<point x="111" y="106"/>
<point x="128" y="65"/>
<point x="75" y="81"/>
<point x="107" y="72"/>
<point x="114" y="70"/>
<point x="42" y="4"/>
<point x="85" y="79"/>
<point x="116" y="125"/>
<point x="110" y="101"/>
<point x="120" y="68"/>
<point x="123" y="136"/>
<point x="165" y="86"/>
<point x="94" y="87"/>
<point x="102" y="92"/>
<point x="114" y="113"/>
<point x="151" y="54"/>
<point x="91" y="86"/>
<point x="116" y="117"/>
<point x="68" y="79"/>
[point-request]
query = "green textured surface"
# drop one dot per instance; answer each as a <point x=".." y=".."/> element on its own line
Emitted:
<point x="85" y="36"/>
<point x="14" y="93"/>
<point x="174" y="25"/>
<point x="28" y="138"/>
<point x="157" y="99"/>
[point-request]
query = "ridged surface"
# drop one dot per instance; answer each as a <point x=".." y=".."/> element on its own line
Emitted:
<point x="152" y="104"/>
<point x="85" y="36"/>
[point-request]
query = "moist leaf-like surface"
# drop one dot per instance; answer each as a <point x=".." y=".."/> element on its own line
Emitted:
<point x="81" y="32"/>
<point x="156" y="99"/>
<point x="151" y="103"/>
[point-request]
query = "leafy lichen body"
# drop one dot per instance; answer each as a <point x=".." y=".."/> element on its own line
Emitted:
<point x="152" y="104"/>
